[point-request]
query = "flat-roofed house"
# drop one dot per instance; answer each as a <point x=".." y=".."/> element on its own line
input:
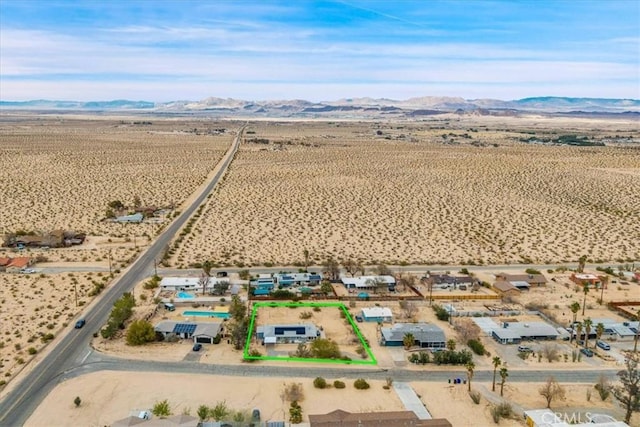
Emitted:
<point x="426" y="335"/>
<point x="340" y="418"/>
<point x="288" y="334"/>
<point x="377" y="314"/>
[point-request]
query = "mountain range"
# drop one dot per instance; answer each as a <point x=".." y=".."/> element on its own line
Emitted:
<point x="352" y="107"/>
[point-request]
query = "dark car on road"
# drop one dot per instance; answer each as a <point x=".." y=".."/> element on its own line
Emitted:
<point x="587" y="352"/>
<point x="80" y="323"/>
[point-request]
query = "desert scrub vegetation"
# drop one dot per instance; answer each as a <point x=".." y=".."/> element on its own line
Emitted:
<point x="417" y="197"/>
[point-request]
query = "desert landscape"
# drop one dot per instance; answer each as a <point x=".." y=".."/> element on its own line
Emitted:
<point x="451" y="190"/>
<point x="447" y="190"/>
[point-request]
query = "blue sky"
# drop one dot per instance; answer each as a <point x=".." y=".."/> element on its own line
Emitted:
<point x="161" y="50"/>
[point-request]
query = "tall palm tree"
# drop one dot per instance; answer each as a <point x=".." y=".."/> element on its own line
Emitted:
<point x="599" y="332"/>
<point x="635" y="342"/>
<point x="470" y="367"/>
<point x="588" y="323"/>
<point x="578" y="333"/>
<point x="575" y="308"/>
<point x="504" y="373"/>
<point x="585" y="289"/>
<point x="408" y="340"/>
<point x="496" y="362"/>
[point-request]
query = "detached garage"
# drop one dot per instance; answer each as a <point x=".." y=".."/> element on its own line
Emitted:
<point x="377" y="314"/>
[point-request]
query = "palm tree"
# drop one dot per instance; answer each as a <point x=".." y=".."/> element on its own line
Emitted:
<point x="585" y="289"/>
<point x="575" y="308"/>
<point x="408" y="340"/>
<point x="587" y="328"/>
<point x="496" y="362"/>
<point x="581" y="261"/>
<point x="504" y="373"/>
<point x="578" y="333"/>
<point x="451" y="344"/>
<point x="635" y="342"/>
<point x="599" y="332"/>
<point x="470" y="367"/>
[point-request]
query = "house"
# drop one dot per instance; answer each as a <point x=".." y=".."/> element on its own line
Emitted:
<point x="135" y="218"/>
<point x="377" y="314"/>
<point x="288" y="334"/>
<point x="446" y="281"/>
<point x="297" y="279"/>
<point x="340" y="418"/>
<point x="426" y="335"/>
<point x="505" y="289"/>
<point x="18" y="264"/>
<point x="190" y="283"/>
<point x="534" y="280"/>
<point x="172" y="421"/>
<point x="200" y="332"/>
<point x="591" y="280"/>
<point x="515" y="332"/>
<point x="368" y="282"/>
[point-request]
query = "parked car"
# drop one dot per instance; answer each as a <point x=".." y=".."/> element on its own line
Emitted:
<point x="255" y="415"/>
<point x="359" y="318"/>
<point x="28" y="271"/>
<point x="197" y="347"/>
<point x="80" y="323"/>
<point x="587" y="352"/>
<point x="603" y="345"/>
<point x="524" y="349"/>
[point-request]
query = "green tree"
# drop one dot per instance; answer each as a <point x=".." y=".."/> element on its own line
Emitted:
<point x="628" y="393"/>
<point x="578" y="333"/>
<point x="238" y="330"/>
<point x="470" y="366"/>
<point x="585" y="289"/>
<point x="581" y="262"/>
<point x="237" y="309"/>
<point x="322" y="348"/>
<point x="326" y="288"/>
<point x="599" y="331"/>
<point x="161" y="409"/>
<point x="220" y="411"/>
<point x="588" y="323"/>
<point x="575" y="308"/>
<point x="295" y="413"/>
<point x="332" y="269"/>
<point x="496" y="363"/>
<point x="451" y="344"/>
<point x="140" y="332"/>
<point x="77" y="401"/>
<point x="504" y="373"/>
<point x="203" y="412"/>
<point x="408" y="340"/>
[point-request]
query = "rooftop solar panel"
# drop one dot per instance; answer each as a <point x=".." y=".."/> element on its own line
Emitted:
<point x="184" y="328"/>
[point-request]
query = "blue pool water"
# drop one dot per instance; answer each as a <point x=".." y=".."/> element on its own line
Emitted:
<point x="185" y="295"/>
<point x="207" y="314"/>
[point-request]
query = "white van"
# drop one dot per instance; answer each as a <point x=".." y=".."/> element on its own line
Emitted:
<point x="170" y="307"/>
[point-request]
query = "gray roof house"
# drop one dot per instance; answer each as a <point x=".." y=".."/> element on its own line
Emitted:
<point x="288" y="334"/>
<point x="202" y="332"/>
<point x="426" y="335"/>
<point x="514" y="332"/>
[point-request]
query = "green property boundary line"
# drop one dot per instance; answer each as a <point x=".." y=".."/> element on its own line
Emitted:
<point x="256" y="305"/>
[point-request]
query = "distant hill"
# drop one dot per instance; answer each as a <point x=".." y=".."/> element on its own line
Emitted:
<point x="353" y="107"/>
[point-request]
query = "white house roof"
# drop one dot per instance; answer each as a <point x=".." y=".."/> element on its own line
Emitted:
<point x="179" y="282"/>
<point x="585" y="276"/>
<point x="377" y="312"/>
<point x="531" y="329"/>
<point x="365" y="281"/>
<point x="487" y="324"/>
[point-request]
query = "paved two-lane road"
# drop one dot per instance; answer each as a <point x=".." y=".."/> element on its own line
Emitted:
<point x="17" y="405"/>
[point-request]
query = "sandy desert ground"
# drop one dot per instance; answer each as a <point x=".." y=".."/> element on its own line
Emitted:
<point x="34" y="306"/>
<point x="62" y="171"/>
<point x="432" y="192"/>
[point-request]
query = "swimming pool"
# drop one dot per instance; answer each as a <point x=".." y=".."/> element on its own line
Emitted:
<point x="185" y="295"/>
<point x="220" y="315"/>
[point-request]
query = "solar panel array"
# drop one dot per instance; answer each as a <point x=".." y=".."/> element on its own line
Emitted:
<point x="184" y="328"/>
